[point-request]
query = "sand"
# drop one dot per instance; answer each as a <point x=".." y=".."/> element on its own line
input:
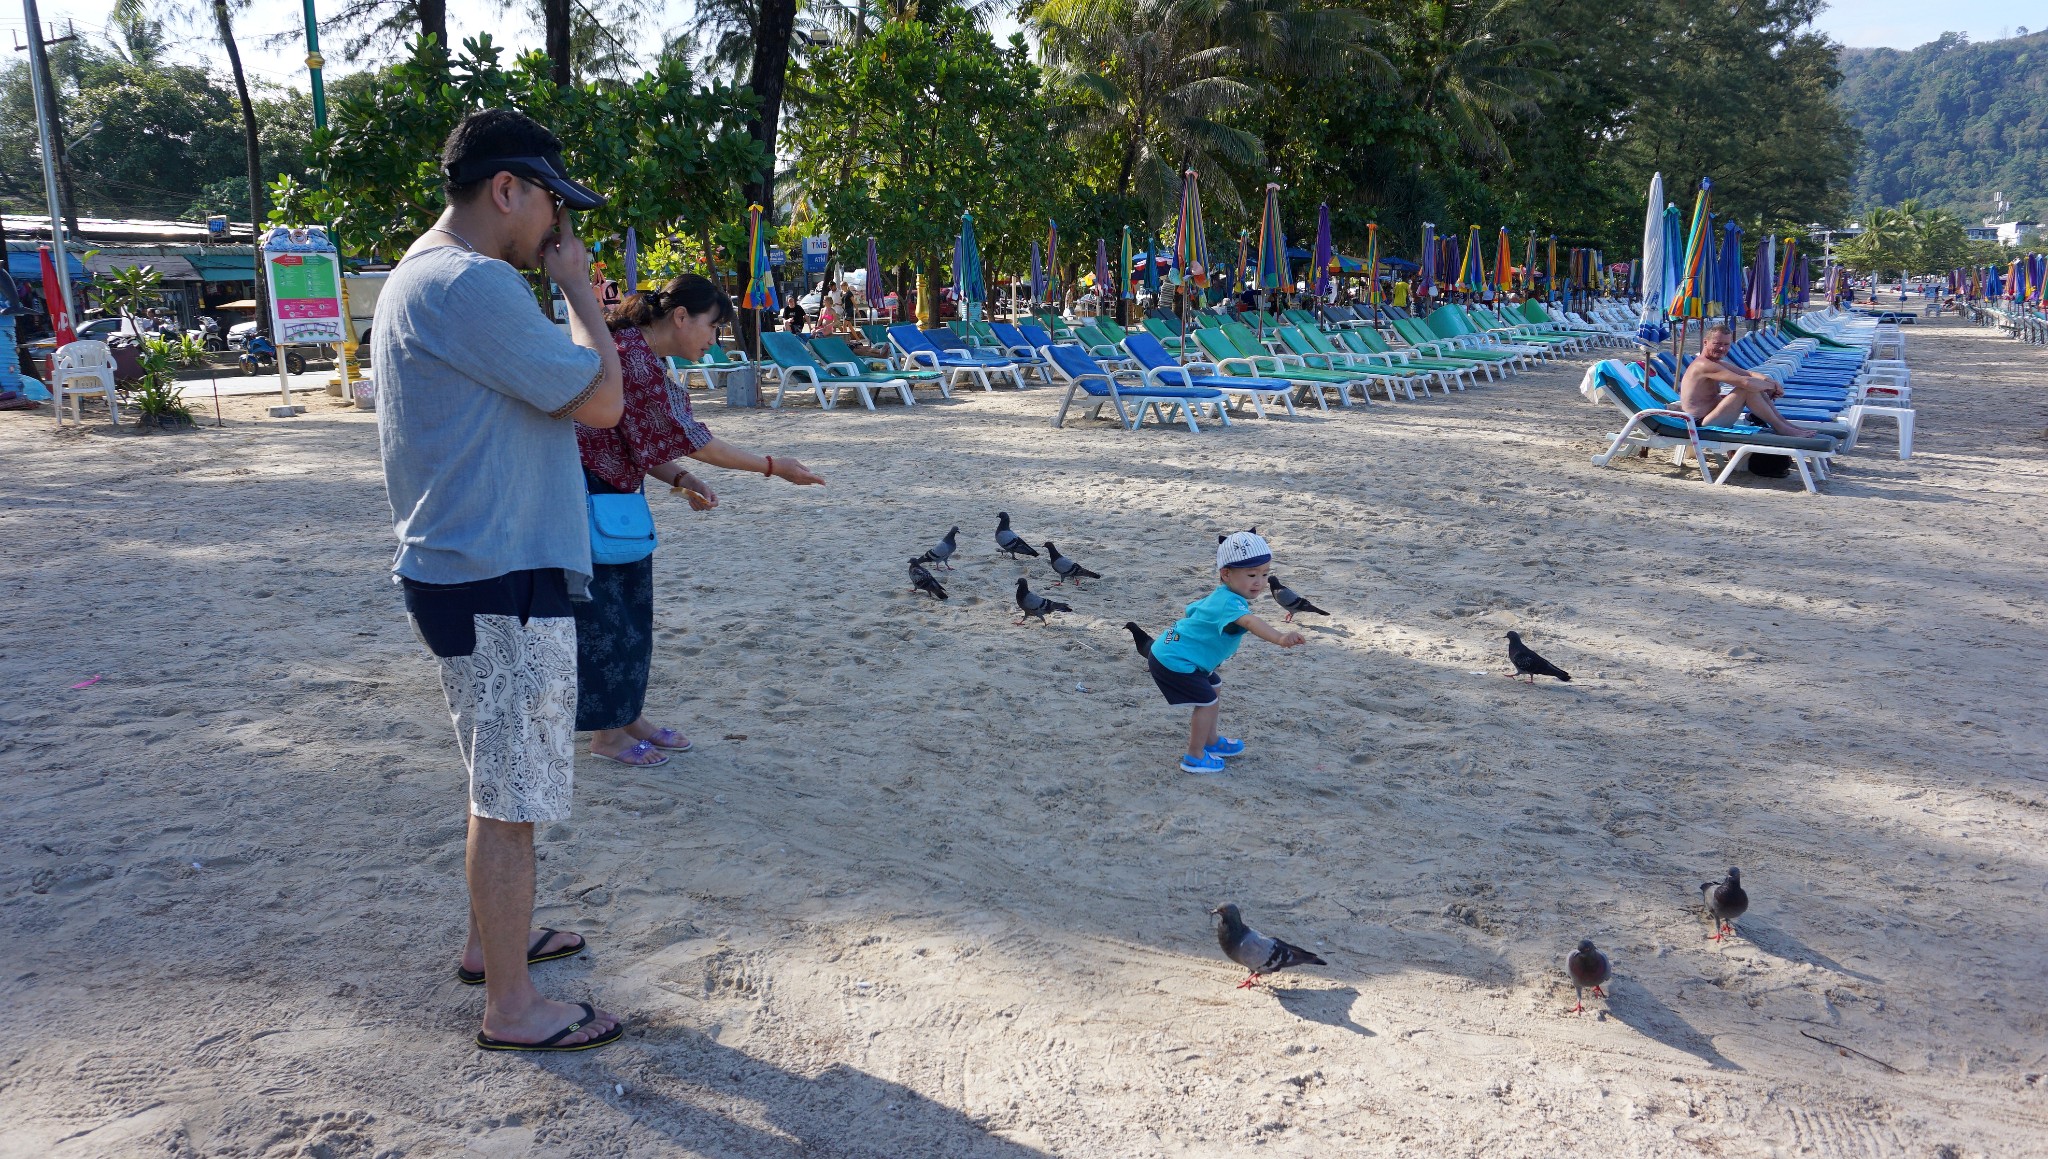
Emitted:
<point x="931" y="885"/>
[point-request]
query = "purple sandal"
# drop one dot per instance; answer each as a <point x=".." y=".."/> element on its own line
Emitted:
<point x="637" y="757"/>
<point x="669" y="740"/>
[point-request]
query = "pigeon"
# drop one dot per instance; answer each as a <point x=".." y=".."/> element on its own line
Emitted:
<point x="925" y="581"/>
<point x="1528" y="663"/>
<point x="942" y="550"/>
<point x="1140" y="638"/>
<point x="1068" y="569"/>
<point x="1009" y="542"/>
<point x="1726" y="901"/>
<point x="1588" y="967"/>
<point x="1033" y="604"/>
<point x="1290" y="599"/>
<point x="1253" y="950"/>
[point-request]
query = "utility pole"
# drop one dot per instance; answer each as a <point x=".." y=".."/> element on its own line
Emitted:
<point x="39" y="63"/>
<point x="314" y="63"/>
<point x="46" y="98"/>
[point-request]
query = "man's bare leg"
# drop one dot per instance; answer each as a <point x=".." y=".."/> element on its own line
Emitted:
<point x="1759" y="404"/>
<point x="500" y="866"/>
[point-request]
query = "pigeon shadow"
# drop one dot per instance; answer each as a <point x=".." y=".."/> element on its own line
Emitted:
<point x="1646" y="1014"/>
<point x="1329" y="1006"/>
<point x="1780" y="944"/>
<point x="699" y="1094"/>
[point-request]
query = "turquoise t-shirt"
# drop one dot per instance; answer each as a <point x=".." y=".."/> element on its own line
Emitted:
<point x="1205" y="637"/>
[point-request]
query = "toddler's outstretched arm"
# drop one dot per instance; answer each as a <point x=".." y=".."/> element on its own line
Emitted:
<point x="1268" y="633"/>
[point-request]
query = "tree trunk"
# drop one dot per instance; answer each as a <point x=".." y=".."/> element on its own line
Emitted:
<point x="771" y="67"/>
<point x="434" y="20"/>
<point x="556" y="15"/>
<point x="255" y="158"/>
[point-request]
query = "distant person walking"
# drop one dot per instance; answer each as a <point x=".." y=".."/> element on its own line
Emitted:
<point x="476" y="392"/>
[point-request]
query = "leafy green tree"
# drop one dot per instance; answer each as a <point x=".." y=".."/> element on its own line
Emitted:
<point x="127" y="290"/>
<point x="915" y="125"/>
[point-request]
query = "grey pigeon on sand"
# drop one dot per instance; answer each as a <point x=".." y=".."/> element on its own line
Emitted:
<point x="942" y="550"/>
<point x="1253" y="950"/>
<point x="1140" y="638"/>
<point x="1009" y="542"/>
<point x="1290" y="599"/>
<point x="1588" y="967"/>
<point x="1726" y="900"/>
<point x="1528" y="663"/>
<point x="924" y="580"/>
<point x="1068" y="569"/>
<point x="1032" y="604"/>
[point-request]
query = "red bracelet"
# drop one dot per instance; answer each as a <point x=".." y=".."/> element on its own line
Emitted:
<point x="770" y="472"/>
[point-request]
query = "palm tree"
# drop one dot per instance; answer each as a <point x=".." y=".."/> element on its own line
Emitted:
<point x="1466" y="66"/>
<point x="251" y="146"/>
<point x="137" y="36"/>
<point x="1153" y="80"/>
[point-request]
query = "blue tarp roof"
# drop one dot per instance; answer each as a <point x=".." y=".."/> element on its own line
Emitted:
<point x="27" y="265"/>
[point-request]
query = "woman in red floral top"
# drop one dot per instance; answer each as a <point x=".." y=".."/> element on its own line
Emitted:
<point x="615" y="630"/>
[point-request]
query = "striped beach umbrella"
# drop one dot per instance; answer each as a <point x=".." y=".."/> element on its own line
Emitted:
<point x="1325" y="255"/>
<point x="1550" y="272"/>
<point x="1529" y="266"/>
<point x="873" y="290"/>
<point x="1730" y="283"/>
<point x="1503" y="263"/>
<point x="1272" y="274"/>
<point x="1240" y="276"/>
<point x="1472" y="271"/>
<point x="1786" y="291"/>
<point x="1689" y="301"/>
<point x="967" y="279"/>
<point x="760" y="294"/>
<point x="1191" y="242"/>
<point x="1372" y="265"/>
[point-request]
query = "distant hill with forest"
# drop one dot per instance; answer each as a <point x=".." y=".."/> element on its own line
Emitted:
<point x="1952" y="122"/>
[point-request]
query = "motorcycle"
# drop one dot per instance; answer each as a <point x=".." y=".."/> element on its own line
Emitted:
<point x="260" y="354"/>
<point x="208" y="335"/>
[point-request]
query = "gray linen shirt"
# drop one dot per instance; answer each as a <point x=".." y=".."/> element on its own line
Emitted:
<point x="474" y="390"/>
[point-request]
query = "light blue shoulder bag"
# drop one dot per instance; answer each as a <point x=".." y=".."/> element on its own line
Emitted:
<point x="621" y="528"/>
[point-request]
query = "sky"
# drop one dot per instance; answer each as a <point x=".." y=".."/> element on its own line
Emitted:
<point x="1857" y="23"/>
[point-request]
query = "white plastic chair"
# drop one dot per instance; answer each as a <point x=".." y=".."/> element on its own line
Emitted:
<point x="79" y="370"/>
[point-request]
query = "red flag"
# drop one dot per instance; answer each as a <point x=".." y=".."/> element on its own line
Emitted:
<point x="53" y="297"/>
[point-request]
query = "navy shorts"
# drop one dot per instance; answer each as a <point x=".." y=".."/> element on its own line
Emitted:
<point x="1195" y="688"/>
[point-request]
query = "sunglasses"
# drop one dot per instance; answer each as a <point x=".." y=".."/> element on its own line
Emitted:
<point x="552" y="195"/>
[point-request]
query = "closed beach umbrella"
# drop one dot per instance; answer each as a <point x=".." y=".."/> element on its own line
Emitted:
<point x="1452" y="263"/>
<point x="1427" y="271"/>
<point x="1052" y="259"/>
<point x="1325" y="253"/>
<point x="1240" y="277"/>
<point x="873" y="290"/>
<point x="760" y="293"/>
<point x="1191" y="243"/>
<point x="632" y="260"/>
<point x="967" y="273"/>
<point x="1688" y="302"/>
<point x="1102" y="286"/>
<point x="1472" y="275"/>
<point x="1550" y="272"/>
<point x="1731" y="272"/>
<point x="1037" y="276"/>
<point x="1650" y="320"/>
<point x="1272" y="243"/>
<point x="1786" y="290"/>
<point x="1372" y="267"/>
<point x="1503" y="263"/>
<point x="1123" y="284"/>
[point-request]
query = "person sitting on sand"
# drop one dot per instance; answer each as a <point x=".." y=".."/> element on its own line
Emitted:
<point x="1700" y="392"/>
<point x="475" y="392"/>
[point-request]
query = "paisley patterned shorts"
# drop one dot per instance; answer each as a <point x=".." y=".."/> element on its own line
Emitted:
<point x="508" y="669"/>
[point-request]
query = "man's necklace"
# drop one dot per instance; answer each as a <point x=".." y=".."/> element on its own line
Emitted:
<point x="453" y="234"/>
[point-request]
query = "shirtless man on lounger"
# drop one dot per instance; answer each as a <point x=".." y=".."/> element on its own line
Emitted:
<point x="1699" y="392"/>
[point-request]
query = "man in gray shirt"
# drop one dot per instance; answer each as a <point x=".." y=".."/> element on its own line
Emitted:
<point x="477" y="391"/>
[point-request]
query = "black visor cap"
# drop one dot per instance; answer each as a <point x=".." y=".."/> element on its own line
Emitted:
<point x="546" y="171"/>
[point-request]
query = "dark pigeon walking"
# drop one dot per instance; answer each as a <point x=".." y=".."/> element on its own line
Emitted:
<point x="1589" y="968"/>
<point x="1140" y="639"/>
<point x="1292" y="600"/>
<point x="1034" y="605"/>
<point x="1253" y="950"/>
<point x="1068" y="569"/>
<point x="1528" y="663"/>
<point x="1009" y="542"/>
<point x="1725" y="901"/>
<point x="943" y="550"/>
<point x="924" y="580"/>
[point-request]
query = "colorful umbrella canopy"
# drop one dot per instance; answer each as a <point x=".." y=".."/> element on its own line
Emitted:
<point x="1472" y="274"/>
<point x="1272" y="243"/>
<point x="1451" y="262"/>
<point x="1037" y="276"/>
<point x="1690" y="300"/>
<point x="760" y="293"/>
<point x="967" y="279"/>
<point x="1372" y="264"/>
<point x="1427" y="267"/>
<point x="1550" y="271"/>
<point x="1786" y="291"/>
<point x="1325" y="253"/>
<point x="1728" y="287"/>
<point x="1052" y="259"/>
<point x="873" y="290"/>
<point x="1757" y="302"/>
<point x="1654" y="260"/>
<point x="1151" y="264"/>
<point x="1123" y="284"/>
<point x="1503" y="263"/>
<point x="1191" y="243"/>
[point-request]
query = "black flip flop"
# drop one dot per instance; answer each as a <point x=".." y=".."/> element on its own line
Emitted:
<point x="533" y="957"/>
<point x="547" y="1045"/>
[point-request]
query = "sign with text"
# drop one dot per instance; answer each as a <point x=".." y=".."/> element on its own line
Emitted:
<point x="303" y="271"/>
<point x="817" y="253"/>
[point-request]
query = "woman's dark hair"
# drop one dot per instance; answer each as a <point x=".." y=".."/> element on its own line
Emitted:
<point x="693" y="294"/>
